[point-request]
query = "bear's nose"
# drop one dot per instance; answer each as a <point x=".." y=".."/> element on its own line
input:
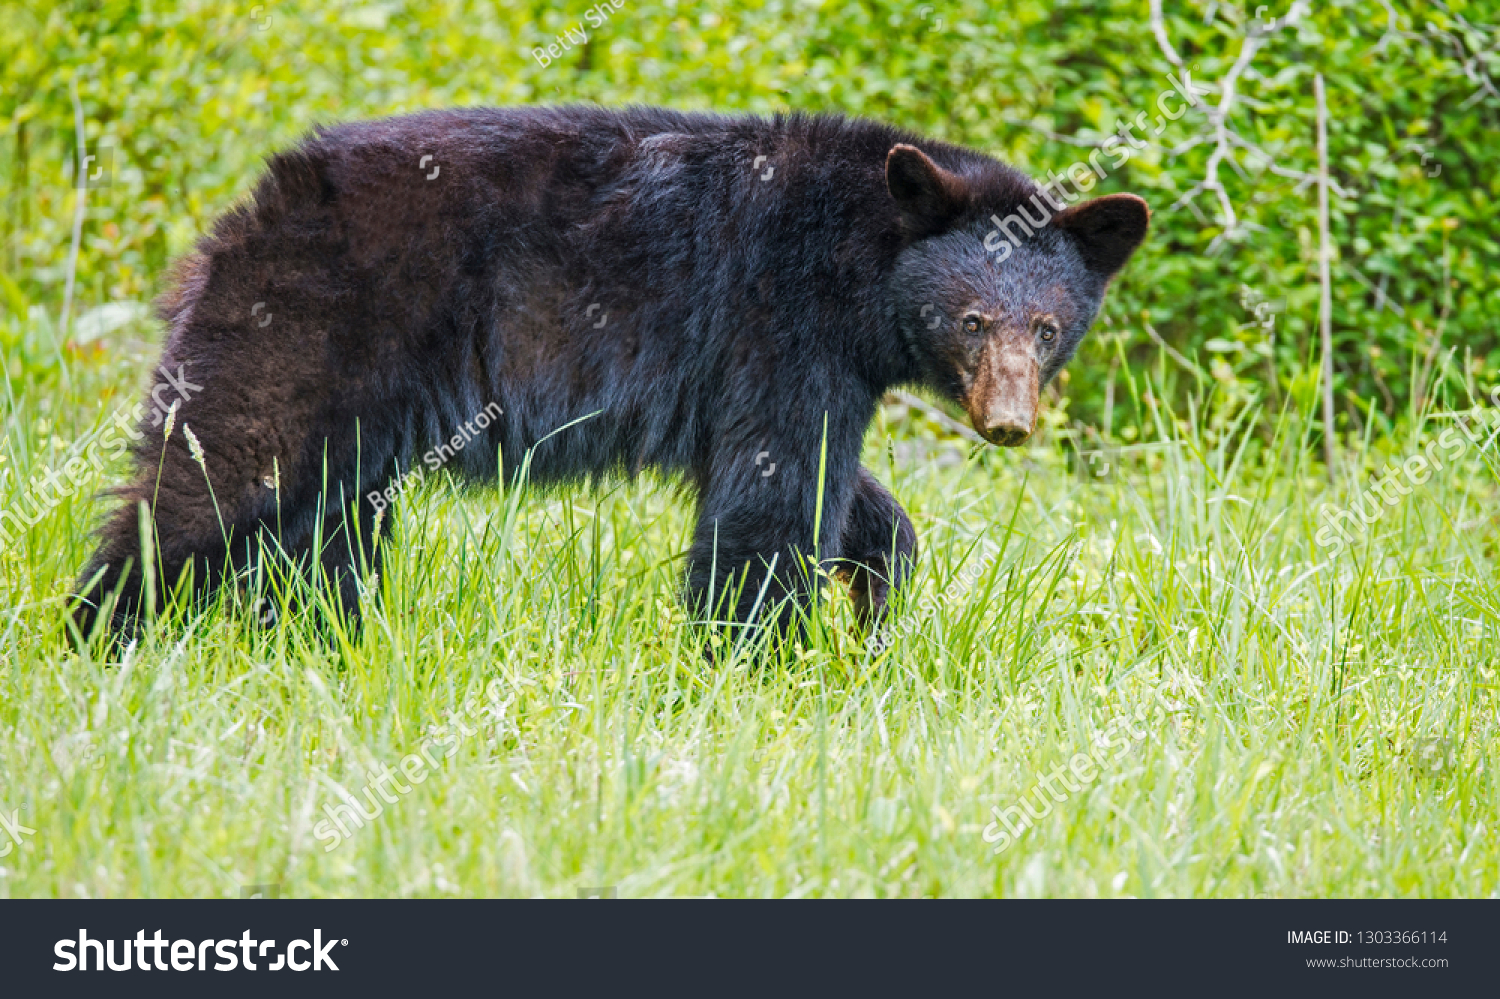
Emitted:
<point x="1002" y="404"/>
<point x="1007" y="433"/>
<point x="1011" y="414"/>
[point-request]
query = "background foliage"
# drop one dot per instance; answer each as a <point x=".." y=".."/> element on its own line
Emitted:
<point x="189" y="98"/>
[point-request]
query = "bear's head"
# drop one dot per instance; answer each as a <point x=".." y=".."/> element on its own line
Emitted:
<point x="998" y="283"/>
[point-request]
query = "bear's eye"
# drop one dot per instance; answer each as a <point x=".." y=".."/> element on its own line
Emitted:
<point x="973" y="324"/>
<point x="1047" y="331"/>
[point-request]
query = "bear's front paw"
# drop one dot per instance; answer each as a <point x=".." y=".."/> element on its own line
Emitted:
<point x="869" y="590"/>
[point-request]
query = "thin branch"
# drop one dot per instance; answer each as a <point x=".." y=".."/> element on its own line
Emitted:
<point x="1467" y="25"/>
<point x="1391" y="31"/>
<point x="1380" y="298"/>
<point x="1298" y="175"/>
<point x="1055" y="136"/>
<point x="1159" y="28"/>
<point x="937" y="416"/>
<point x="1218" y="115"/>
<point x="1176" y="151"/>
<point x="1382" y="301"/>
<point x="1474" y="66"/>
<point x="1325" y="252"/>
<point x="1167" y="347"/>
<point x="80" y="205"/>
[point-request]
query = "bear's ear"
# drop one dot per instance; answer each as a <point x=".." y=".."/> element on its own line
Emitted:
<point x="1107" y="230"/>
<point x="928" y="197"/>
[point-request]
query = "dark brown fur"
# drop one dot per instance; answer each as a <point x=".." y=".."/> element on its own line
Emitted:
<point x="742" y="316"/>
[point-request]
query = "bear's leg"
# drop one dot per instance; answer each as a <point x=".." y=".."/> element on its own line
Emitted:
<point x="268" y="449"/>
<point x="255" y="522"/>
<point x="879" y="549"/>
<point x="752" y="554"/>
<point x="348" y="550"/>
<point x="192" y="526"/>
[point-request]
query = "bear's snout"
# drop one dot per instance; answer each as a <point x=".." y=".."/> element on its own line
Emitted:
<point x="1002" y="401"/>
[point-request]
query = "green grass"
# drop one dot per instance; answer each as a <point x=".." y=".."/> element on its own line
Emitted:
<point x="1285" y="700"/>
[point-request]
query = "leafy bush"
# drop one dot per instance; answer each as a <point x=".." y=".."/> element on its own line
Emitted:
<point x="186" y="99"/>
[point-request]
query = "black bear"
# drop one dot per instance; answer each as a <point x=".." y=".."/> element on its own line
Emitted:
<point x="723" y="299"/>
